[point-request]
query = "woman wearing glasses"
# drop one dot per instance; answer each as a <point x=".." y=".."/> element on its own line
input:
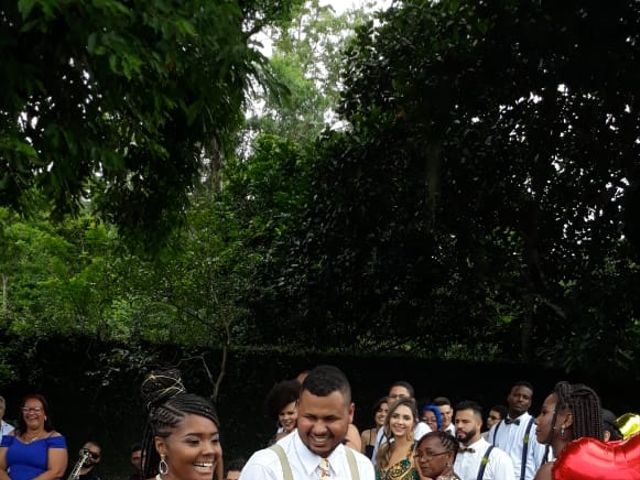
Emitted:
<point x="435" y="454"/>
<point x="35" y="451"/>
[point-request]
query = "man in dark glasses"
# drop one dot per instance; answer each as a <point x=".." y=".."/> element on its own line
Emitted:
<point x="92" y="451"/>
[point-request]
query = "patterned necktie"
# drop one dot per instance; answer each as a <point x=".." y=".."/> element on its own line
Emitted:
<point x="324" y="469"/>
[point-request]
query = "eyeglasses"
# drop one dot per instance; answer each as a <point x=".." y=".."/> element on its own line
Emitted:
<point x="494" y="417"/>
<point x="428" y="455"/>
<point x="31" y="409"/>
<point x="93" y="455"/>
<point x="397" y="396"/>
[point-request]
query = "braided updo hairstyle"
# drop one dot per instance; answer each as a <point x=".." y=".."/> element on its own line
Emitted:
<point x="448" y="441"/>
<point x="167" y="403"/>
<point x="584" y="405"/>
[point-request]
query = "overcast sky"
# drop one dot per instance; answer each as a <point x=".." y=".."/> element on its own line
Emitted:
<point x="341" y="5"/>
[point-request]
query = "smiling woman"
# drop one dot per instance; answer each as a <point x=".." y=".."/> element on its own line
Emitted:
<point x="281" y="406"/>
<point x="395" y="459"/>
<point x="182" y="440"/>
<point x="34" y="450"/>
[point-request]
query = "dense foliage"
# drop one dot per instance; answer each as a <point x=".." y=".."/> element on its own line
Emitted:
<point x="480" y="201"/>
<point x="119" y="102"/>
<point x="483" y="202"/>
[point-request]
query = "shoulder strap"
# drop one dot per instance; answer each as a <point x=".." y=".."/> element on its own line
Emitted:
<point x="525" y="448"/>
<point x="483" y="462"/>
<point x="545" y="459"/>
<point x="284" y="461"/>
<point x="351" y="460"/>
<point x="495" y="432"/>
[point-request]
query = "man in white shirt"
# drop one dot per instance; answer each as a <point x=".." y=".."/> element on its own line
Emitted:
<point x="446" y="410"/>
<point x="478" y="459"/>
<point x="315" y="449"/>
<point x="515" y="434"/>
<point x="5" y="428"/>
<point x="496" y="413"/>
<point x="399" y="389"/>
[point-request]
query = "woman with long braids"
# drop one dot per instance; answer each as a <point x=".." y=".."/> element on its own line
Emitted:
<point x="395" y="458"/>
<point x="568" y="413"/>
<point x="182" y="439"/>
<point x="435" y="454"/>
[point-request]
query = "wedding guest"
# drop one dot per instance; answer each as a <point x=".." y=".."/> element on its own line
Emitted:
<point x="435" y="454"/>
<point x="34" y="449"/>
<point x="182" y="436"/>
<point x="568" y="413"/>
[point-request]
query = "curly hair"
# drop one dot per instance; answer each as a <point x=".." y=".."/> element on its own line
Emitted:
<point x="281" y="395"/>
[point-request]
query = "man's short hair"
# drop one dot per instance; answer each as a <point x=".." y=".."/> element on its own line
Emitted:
<point x="134" y="448"/>
<point x="610" y="424"/>
<point x="522" y="383"/>
<point x="501" y="409"/>
<point x="323" y="380"/>
<point x="236" y="465"/>
<point x="470" y="405"/>
<point x="440" y="401"/>
<point x="94" y="443"/>
<point x="407" y="385"/>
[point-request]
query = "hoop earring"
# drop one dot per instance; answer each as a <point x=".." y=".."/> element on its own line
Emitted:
<point x="163" y="467"/>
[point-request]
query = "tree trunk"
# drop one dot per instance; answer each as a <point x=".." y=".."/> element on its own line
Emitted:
<point x="5" y="294"/>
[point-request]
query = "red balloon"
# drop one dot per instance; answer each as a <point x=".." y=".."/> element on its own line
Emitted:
<point x="591" y="459"/>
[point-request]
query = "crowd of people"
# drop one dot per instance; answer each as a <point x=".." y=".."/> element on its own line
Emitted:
<point x="315" y="437"/>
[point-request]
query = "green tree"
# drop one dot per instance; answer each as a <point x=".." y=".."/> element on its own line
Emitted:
<point x="483" y="198"/>
<point x="306" y="59"/>
<point x="119" y="102"/>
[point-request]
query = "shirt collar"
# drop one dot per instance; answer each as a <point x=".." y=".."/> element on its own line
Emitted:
<point x="310" y="460"/>
<point x="522" y="417"/>
<point x="477" y="444"/>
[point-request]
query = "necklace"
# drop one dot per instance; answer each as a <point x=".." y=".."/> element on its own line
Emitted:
<point x="32" y="438"/>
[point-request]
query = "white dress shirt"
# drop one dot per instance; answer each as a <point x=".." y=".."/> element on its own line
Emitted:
<point x="510" y="438"/>
<point x="499" y="466"/>
<point x="420" y="431"/>
<point x="451" y="429"/>
<point x="265" y="464"/>
<point x="5" y="428"/>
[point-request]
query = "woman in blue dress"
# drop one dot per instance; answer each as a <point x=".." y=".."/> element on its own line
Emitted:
<point x="34" y="450"/>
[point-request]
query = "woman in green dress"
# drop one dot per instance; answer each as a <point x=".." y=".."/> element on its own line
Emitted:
<point x="395" y="460"/>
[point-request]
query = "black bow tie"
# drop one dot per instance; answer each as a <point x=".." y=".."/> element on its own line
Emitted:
<point x="509" y="421"/>
<point x="467" y="450"/>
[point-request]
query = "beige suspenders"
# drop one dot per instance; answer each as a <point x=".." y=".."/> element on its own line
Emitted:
<point x="351" y="460"/>
<point x="286" y="467"/>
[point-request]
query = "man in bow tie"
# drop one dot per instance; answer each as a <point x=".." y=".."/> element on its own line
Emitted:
<point x="515" y="434"/>
<point x="315" y="450"/>
<point x="477" y="459"/>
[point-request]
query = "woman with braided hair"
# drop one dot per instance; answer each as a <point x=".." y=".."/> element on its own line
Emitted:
<point x="568" y="413"/>
<point x="435" y="453"/>
<point x="181" y="440"/>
